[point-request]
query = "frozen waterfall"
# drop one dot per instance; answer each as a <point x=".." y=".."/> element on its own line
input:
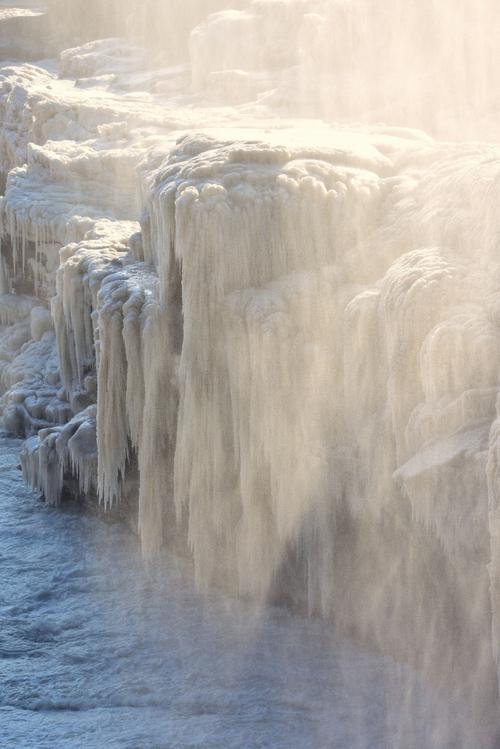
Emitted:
<point x="250" y="302"/>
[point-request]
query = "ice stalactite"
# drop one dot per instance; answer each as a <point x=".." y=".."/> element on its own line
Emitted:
<point x="120" y="370"/>
<point x="56" y="450"/>
<point x="99" y="292"/>
<point x="133" y="340"/>
<point x="327" y="361"/>
<point x="83" y="268"/>
<point x="41" y="205"/>
<point x="100" y="295"/>
<point x="255" y="233"/>
<point x="158" y="434"/>
<point x="112" y="432"/>
<point x="42" y="466"/>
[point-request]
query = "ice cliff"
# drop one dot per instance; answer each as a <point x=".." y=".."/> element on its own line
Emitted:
<point x="270" y="337"/>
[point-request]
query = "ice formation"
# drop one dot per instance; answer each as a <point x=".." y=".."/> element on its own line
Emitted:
<point x="274" y="340"/>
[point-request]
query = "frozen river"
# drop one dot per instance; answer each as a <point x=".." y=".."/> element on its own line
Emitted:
<point x="96" y="651"/>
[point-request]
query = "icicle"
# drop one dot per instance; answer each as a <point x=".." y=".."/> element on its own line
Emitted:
<point x="132" y="337"/>
<point x="82" y="449"/>
<point x="42" y="469"/>
<point x="158" y="430"/>
<point x="112" y="429"/>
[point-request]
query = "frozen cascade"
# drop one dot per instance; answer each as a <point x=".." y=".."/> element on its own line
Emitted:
<point x="271" y="343"/>
<point x="306" y="223"/>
